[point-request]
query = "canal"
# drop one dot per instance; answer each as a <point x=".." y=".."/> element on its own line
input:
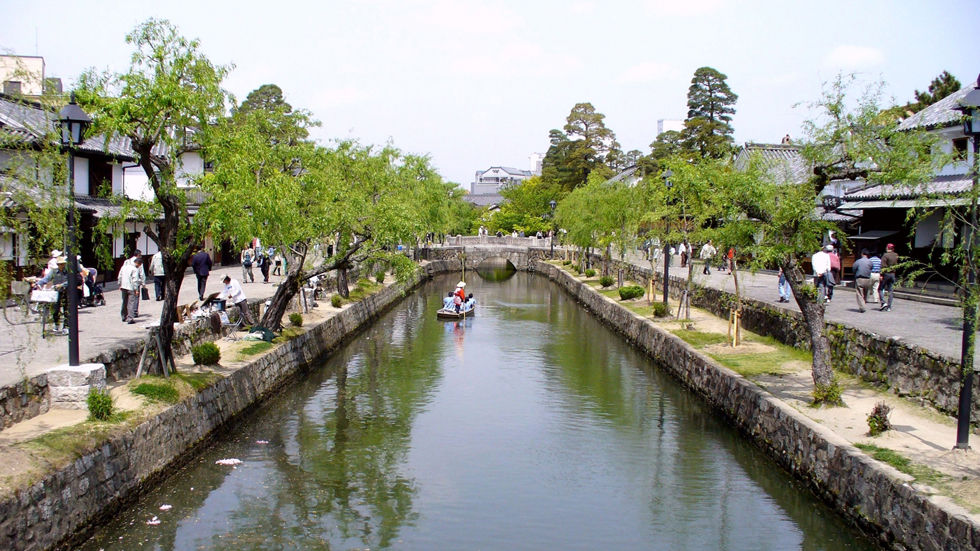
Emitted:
<point x="528" y="426"/>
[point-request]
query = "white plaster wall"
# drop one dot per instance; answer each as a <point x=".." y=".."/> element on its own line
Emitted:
<point x="27" y="70"/>
<point x="81" y="176"/>
<point x="191" y="166"/>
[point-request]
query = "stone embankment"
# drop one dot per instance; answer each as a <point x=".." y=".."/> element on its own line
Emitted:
<point x="875" y="496"/>
<point x="64" y="506"/>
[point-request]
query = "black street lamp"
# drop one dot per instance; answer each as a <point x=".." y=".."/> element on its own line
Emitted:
<point x="554" y="226"/>
<point x="970" y="107"/>
<point x="668" y="184"/>
<point x="73" y="123"/>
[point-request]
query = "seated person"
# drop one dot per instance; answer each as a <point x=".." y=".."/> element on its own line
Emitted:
<point x="447" y="302"/>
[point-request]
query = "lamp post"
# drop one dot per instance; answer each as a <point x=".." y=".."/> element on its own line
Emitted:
<point x="73" y="123"/>
<point x="554" y="227"/>
<point x="970" y="107"/>
<point x="668" y="184"/>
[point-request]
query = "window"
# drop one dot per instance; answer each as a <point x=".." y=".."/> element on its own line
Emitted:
<point x="960" y="146"/>
<point x="99" y="178"/>
<point x="11" y="87"/>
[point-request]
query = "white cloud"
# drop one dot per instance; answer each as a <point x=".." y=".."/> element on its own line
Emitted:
<point x="582" y="7"/>
<point x="333" y="97"/>
<point x="470" y="17"/>
<point x="853" y="57"/>
<point x="646" y="72"/>
<point x="685" y="8"/>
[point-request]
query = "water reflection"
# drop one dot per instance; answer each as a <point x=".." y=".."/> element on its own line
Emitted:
<point x="529" y="426"/>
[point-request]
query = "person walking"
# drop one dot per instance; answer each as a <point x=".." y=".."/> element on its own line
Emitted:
<point x="201" y="264"/>
<point x="140" y="276"/>
<point x="264" y="265"/>
<point x="682" y="249"/>
<point x="708" y="251"/>
<point x="234" y="294"/>
<point x="157" y="271"/>
<point x="875" y="277"/>
<point x="129" y="286"/>
<point x="247" y="257"/>
<point x="822" y="277"/>
<point x="783" y="287"/>
<point x="862" y="279"/>
<point x="888" y="262"/>
<point x="278" y="260"/>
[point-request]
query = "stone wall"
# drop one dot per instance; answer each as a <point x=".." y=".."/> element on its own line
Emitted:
<point x="26" y="399"/>
<point x="64" y="506"/>
<point x="904" y="368"/>
<point x="875" y="496"/>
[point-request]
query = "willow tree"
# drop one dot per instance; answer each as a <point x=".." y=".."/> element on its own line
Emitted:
<point x="163" y="105"/>
<point x="846" y="139"/>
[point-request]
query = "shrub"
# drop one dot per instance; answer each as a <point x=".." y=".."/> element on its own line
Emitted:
<point x="296" y="319"/>
<point x="606" y="281"/>
<point x="566" y="262"/>
<point x="590" y="273"/>
<point x="206" y="353"/>
<point x="660" y="310"/>
<point x="379" y="276"/>
<point x="878" y="419"/>
<point x="829" y="395"/>
<point x="99" y="405"/>
<point x="630" y="291"/>
<point x="336" y="301"/>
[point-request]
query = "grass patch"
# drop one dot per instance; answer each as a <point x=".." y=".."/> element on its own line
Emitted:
<point x="769" y="362"/>
<point x="288" y="334"/>
<point x="199" y="381"/>
<point x="700" y="339"/>
<point x="365" y="287"/>
<point x="157" y="392"/>
<point x="69" y="443"/>
<point x="921" y="473"/>
<point x="254" y="348"/>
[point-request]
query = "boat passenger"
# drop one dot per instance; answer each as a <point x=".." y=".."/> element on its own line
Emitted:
<point x="447" y="302"/>
<point x="457" y="302"/>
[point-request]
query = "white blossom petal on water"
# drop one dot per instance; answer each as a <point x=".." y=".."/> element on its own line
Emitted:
<point x="228" y="462"/>
<point x="166" y="507"/>
<point x="261" y="441"/>
<point x="153" y="521"/>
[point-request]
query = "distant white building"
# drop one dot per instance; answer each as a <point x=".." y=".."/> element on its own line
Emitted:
<point x="23" y="75"/>
<point x="537" y="160"/>
<point x="663" y="125"/>
<point x="494" y="178"/>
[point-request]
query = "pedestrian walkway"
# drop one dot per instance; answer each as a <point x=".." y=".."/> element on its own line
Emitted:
<point x="935" y="327"/>
<point x="24" y="354"/>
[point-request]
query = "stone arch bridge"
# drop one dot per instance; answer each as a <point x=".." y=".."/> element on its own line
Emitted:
<point x="489" y="251"/>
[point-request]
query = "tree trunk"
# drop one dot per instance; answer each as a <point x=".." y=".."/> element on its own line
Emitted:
<point x="174" y="269"/>
<point x="605" y="260"/>
<point x="738" y="300"/>
<point x="289" y="288"/>
<point x="342" y="285"/>
<point x="813" y="318"/>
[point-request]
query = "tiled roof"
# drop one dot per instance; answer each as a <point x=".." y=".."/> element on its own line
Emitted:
<point x="783" y="160"/>
<point x="483" y="199"/>
<point x="23" y="123"/>
<point x="938" y="114"/>
<point x="941" y="185"/>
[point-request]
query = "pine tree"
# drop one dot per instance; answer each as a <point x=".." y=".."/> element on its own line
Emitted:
<point x="710" y="106"/>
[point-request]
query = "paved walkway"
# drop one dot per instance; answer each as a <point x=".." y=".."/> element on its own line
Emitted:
<point x="935" y="327"/>
<point x="24" y="353"/>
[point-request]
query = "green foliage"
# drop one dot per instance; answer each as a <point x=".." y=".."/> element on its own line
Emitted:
<point x="379" y="276"/>
<point x="921" y="473"/>
<point x="206" y="353"/>
<point x="589" y="272"/>
<point x="630" y="292"/>
<point x="606" y="281"/>
<point x="296" y="319"/>
<point x="527" y="207"/>
<point x="700" y="339"/>
<point x="878" y="419"/>
<point x="829" y="395"/>
<point x="254" y="348"/>
<point x="660" y="310"/>
<point x="158" y="392"/>
<point x="566" y="262"/>
<point x="336" y="301"/>
<point x="585" y="147"/>
<point x="100" y="406"/>
<point x="198" y="381"/>
<point x="710" y="106"/>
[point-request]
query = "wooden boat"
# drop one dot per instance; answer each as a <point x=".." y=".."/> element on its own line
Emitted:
<point x="452" y="314"/>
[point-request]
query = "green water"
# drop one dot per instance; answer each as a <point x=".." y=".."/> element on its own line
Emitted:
<point x="529" y="426"/>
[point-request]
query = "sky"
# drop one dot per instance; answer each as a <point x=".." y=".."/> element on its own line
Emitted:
<point x="475" y="84"/>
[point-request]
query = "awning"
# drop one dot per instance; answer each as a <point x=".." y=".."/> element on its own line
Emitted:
<point x="873" y="235"/>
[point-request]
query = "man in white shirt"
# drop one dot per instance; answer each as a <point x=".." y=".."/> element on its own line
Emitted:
<point x="821" y="273"/>
<point x="234" y="294"/>
<point x="129" y="287"/>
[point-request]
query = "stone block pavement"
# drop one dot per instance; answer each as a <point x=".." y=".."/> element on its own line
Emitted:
<point x="23" y="353"/>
